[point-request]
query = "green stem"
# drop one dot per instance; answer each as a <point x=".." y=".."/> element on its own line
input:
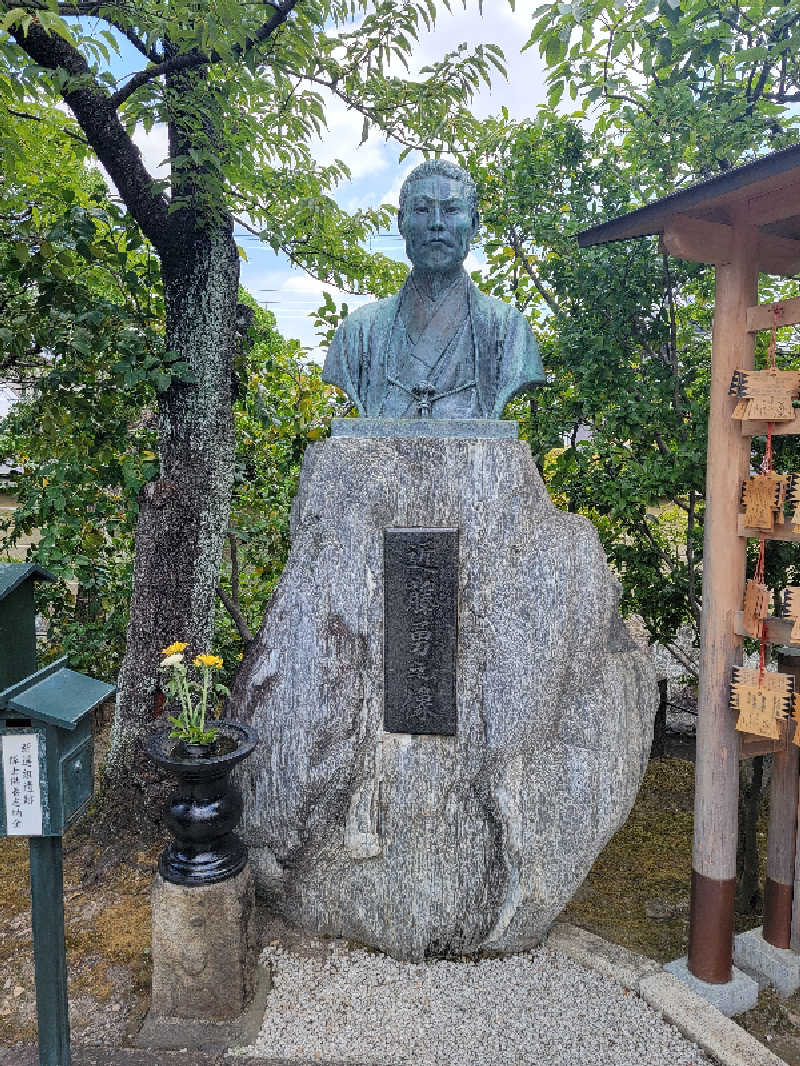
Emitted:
<point x="206" y="676"/>
<point x="187" y="695"/>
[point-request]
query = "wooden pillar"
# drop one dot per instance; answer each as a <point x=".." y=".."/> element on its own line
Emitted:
<point x="782" y="832"/>
<point x="795" y="935"/>
<point x="717" y="761"/>
<point x="49" y="951"/>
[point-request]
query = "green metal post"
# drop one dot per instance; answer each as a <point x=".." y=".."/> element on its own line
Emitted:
<point x="49" y="950"/>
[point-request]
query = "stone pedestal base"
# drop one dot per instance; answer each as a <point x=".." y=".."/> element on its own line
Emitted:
<point x="779" y="967"/>
<point x="736" y="996"/>
<point x="453" y="840"/>
<point x="204" y="948"/>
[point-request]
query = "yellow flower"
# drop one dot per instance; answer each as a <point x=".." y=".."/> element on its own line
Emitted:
<point x="174" y="649"/>
<point x="213" y="662"/>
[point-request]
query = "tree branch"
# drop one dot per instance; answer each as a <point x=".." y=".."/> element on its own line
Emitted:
<point x="678" y="653"/>
<point x="194" y="59"/>
<point x="548" y="298"/>
<point x="623" y="97"/>
<point x="99" y="10"/>
<point x="371" y="113"/>
<point x="149" y="53"/>
<point x="238" y="618"/>
<point x="98" y="119"/>
<point x="38" y="118"/>
<point x="230" y="601"/>
<point x="690" y="574"/>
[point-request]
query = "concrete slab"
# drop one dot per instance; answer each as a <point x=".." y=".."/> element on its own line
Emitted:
<point x="735" y="997"/>
<point x="687" y="1009"/>
<point x="703" y="1023"/>
<point x="611" y="960"/>
<point x="779" y="967"/>
<point x="181" y="1034"/>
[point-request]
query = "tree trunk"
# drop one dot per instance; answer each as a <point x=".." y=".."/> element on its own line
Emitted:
<point x="183" y="516"/>
<point x="748" y="890"/>
<point x="658" y="747"/>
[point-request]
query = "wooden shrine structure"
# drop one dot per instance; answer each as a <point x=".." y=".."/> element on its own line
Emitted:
<point x="745" y="222"/>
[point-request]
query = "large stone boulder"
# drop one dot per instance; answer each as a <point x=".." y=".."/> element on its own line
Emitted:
<point x="439" y="845"/>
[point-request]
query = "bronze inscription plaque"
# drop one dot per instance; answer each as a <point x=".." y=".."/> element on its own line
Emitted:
<point x="420" y="614"/>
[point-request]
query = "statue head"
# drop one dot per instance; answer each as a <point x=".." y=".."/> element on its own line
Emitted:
<point x="438" y="215"/>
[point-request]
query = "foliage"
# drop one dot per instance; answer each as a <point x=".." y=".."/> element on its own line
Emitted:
<point x="619" y="432"/>
<point x="282" y="406"/>
<point x="83" y="339"/>
<point x="246" y="127"/>
<point x="86" y="439"/>
<point x="686" y="87"/>
<point x="676" y="92"/>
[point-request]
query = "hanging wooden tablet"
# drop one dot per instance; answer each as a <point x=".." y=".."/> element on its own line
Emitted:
<point x="765" y="395"/>
<point x="762" y="700"/>
<point x="760" y="497"/>
<point x="796" y="719"/>
<point x="794" y="499"/>
<point x="756" y="606"/>
<point x="791" y="609"/>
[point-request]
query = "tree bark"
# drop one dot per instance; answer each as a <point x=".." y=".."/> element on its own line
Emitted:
<point x="183" y="516"/>
<point x="748" y="890"/>
<point x="658" y="747"/>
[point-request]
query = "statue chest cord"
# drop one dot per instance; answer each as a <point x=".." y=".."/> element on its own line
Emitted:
<point x="424" y="392"/>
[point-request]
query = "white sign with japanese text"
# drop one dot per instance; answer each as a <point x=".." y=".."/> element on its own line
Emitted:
<point x="23" y="794"/>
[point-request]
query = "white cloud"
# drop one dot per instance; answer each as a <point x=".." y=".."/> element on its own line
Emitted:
<point x="342" y="140"/>
<point x="154" y="147"/>
<point x="520" y="93"/>
<point x="293" y="297"/>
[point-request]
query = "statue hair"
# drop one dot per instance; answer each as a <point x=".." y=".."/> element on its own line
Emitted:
<point x="446" y="169"/>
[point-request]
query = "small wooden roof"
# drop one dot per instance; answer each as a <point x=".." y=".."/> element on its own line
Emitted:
<point x="13" y="574"/>
<point x="697" y="223"/>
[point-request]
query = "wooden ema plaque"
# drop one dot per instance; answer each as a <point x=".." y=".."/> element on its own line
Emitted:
<point x="762" y="702"/>
<point x="763" y="497"/>
<point x="764" y="395"/>
<point x="796" y="718"/>
<point x="794" y="500"/>
<point x="756" y="605"/>
<point x="791" y="610"/>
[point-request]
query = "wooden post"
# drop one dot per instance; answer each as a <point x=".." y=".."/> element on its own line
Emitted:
<point x="795" y="936"/>
<point x="717" y="760"/>
<point x="49" y="951"/>
<point x="782" y="831"/>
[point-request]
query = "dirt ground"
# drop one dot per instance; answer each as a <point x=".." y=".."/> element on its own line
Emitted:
<point x="637" y="895"/>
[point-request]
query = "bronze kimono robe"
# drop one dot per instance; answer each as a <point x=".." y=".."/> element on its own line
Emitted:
<point x="474" y="354"/>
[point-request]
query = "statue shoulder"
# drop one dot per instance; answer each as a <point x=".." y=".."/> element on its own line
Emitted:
<point x="365" y="317"/>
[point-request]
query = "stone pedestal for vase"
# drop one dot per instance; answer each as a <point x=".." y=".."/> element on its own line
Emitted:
<point x="428" y="844"/>
<point x="204" y="948"/>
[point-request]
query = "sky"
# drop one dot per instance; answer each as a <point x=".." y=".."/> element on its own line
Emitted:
<point x="376" y="172"/>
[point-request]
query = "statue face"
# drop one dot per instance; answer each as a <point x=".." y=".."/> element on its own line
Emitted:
<point x="437" y="223"/>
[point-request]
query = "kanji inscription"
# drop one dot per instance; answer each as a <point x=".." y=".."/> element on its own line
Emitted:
<point x="23" y="798"/>
<point x="420" y="630"/>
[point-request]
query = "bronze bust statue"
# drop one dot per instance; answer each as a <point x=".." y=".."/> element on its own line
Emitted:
<point x="439" y="348"/>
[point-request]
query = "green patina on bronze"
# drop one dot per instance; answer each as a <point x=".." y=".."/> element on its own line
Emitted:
<point x="439" y="348"/>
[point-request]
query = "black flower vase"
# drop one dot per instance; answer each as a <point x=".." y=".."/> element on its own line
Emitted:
<point x="205" y="807"/>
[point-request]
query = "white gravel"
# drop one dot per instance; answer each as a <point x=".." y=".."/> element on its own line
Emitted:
<point x="539" y="1008"/>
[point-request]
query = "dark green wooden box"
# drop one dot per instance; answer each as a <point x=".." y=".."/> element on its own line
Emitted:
<point x="52" y="707"/>
<point x="55" y="706"/>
